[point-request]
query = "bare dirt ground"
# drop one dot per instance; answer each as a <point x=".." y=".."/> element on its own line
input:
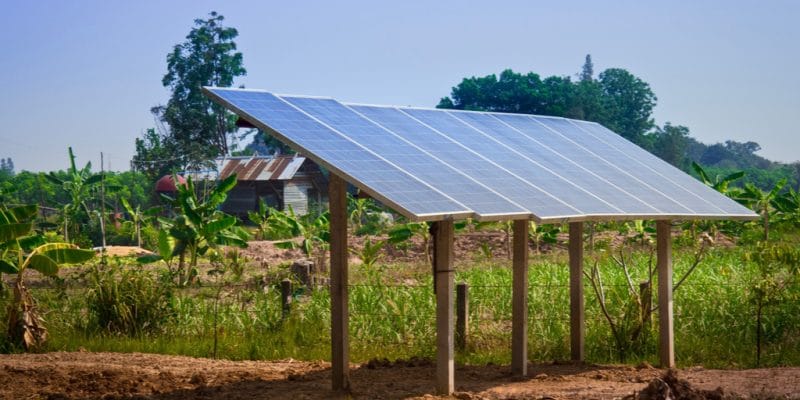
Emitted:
<point x="148" y="376"/>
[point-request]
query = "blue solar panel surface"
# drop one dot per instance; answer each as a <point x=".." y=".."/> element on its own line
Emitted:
<point x="431" y="164"/>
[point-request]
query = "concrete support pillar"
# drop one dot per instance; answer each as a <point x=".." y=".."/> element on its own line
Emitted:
<point x="519" y="324"/>
<point x="576" y="307"/>
<point x="340" y="354"/>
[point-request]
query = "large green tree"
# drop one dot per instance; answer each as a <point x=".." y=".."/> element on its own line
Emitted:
<point x="628" y="104"/>
<point x="199" y="130"/>
<point x="616" y="99"/>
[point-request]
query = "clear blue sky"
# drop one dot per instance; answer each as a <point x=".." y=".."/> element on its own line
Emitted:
<point x="85" y="73"/>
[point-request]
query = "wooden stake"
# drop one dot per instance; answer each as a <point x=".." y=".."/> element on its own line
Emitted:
<point x="340" y="354"/>
<point x="519" y="293"/>
<point x="445" y="364"/>
<point x="462" y="315"/>
<point x="286" y="298"/>
<point x="665" y="325"/>
<point x="577" y="325"/>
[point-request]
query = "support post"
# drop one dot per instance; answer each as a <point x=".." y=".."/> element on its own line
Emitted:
<point x="666" y="343"/>
<point x="462" y="315"/>
<point x="340" y="354"/>
<point x="286" y="298"/>
<point x="519" y="294"/>
<point x="646" y="294"/>
<point x="577" y="323"/>
<point x="443" y="267"/>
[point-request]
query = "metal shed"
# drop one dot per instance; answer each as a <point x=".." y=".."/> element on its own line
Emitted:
<point x="444" y="165"/>
<point x="281" y="181"/>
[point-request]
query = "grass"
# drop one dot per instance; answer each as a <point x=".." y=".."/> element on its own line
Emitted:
<point x="392" y="315"/>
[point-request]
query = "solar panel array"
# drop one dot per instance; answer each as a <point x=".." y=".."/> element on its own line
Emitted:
<point x="430" y="164"/>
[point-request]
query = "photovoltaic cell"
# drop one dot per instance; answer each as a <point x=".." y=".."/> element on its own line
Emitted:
<point x="336" y="152"/>
<point x="611" y="182"/>
<point x="431" y="164"/>
<point x="663" y="168"/>
<point x="512" y="161"/>
<point x="466" y="160"/>
<point x="689" y="203"/>
<point x="434" y="172"/>
<point x="573" y="175"/>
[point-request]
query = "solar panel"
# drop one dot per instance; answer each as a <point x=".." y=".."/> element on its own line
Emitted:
<point x="432" y="164"/>
<point x="436" y="173"/>
<point x="387" y="182"/>
<point x="466" y="160"/>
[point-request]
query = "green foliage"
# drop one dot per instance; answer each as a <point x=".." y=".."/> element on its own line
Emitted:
<point x="365" y="216"/>
<point x="139" y="217"/>
<point x="370" y="252"/>
<point x="718" y="183"/>
<point x="198" y="228"/>
<point x="402" y="233"/>
<point x="261" y="219"/>
<point x="617" y="99"/>
<point x="128" y="301"/>
<point x="81" y="186"/>
<point x="623" y="103"/>
<point x="157" y="153"/>
<point x="778" y="267"/>
<point x="20" y="249"/>
<point x="760" y="201"/>
<point x="540" y="234"/>
<point x="6" y="169"/>
<point x="200" y="129"/>
<point x="312" y="228"/>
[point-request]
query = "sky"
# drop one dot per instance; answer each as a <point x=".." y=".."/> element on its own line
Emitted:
<point x="86" y="73"/>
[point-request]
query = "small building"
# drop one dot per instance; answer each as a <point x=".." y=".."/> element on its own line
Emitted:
<point x="280" y="181"/>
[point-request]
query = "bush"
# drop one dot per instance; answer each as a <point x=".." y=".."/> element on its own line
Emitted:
<point x="128" y="301"/>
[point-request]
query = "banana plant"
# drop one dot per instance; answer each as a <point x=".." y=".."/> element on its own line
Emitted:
<point x="314" y="229"/>
<point x="199" y="228"/>
<point x="261" y="219"/>
<point x="404" y="232"/>
<point x="80" y="185"/>
<point x="22" y="249"/>
<point x="139" y="217"/>
<point x="761" y="201"/>
<point x="787" y="206"/>
<point x="718" y="183"/>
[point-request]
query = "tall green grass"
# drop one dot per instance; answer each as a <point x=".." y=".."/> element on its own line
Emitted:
<point x="392" y="315"/>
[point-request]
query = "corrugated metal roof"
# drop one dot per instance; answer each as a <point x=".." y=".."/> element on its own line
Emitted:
<point x="258" y="168"/>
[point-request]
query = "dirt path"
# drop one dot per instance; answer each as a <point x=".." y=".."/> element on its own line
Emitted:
<point x="148" y="376"/>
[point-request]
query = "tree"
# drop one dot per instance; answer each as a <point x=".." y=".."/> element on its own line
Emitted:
<point x="208" y="57"/>
<point x="157" y="155"/>
<point x="669" y="143"/>
<point x="617" y="99"/>
<point x="587" y="72"/>
<point x="6" y="168"/>
<point x="628" y="103"/>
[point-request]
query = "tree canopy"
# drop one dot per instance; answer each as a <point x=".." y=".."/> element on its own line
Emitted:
<point x="621" y="102"/>
<point x="197" y="130"/>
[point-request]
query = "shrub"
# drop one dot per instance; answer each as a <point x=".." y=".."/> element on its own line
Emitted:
<point x="128" y="301"/>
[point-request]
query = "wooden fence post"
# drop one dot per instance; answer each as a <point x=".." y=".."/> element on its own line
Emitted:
<point x="646" y="294"/>
<point x="286" y="297"/>
<point x="462" y="315"/>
